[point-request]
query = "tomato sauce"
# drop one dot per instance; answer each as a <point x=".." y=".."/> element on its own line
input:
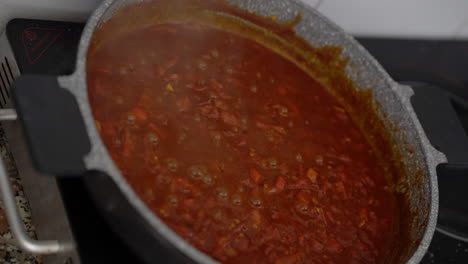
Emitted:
<point x="238" y="150"/>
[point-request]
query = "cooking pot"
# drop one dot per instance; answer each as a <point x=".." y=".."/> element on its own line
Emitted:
<point x="64" y="141"/>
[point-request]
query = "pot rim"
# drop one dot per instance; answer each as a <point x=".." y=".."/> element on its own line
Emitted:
<point x="99" y="158"/>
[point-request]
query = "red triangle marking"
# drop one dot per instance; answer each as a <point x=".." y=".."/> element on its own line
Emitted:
<point x="36" y="41"/>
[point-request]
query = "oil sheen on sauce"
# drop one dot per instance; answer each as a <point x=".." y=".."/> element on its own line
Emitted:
<point x="238" y="150"/>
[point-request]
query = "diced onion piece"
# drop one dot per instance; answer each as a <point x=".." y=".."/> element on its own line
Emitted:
<point x="312" y="175"/>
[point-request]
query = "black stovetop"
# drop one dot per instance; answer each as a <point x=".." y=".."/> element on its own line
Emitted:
<point x="445" y="64"/>
<point x="43" y="47"/>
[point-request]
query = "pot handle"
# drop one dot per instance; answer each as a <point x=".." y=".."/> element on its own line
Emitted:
<point x="53" y="125"/>
<point x="57" y="139"/>
<point x="444" y="117"/>
<point x="440" y="114"/>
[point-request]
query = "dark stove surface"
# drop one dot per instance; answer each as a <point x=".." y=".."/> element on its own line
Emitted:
<point x="44" y="47"/>
<point x="444" y="64"/>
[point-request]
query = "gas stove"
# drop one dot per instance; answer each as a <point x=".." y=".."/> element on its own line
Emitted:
<point x="62" y="209"/>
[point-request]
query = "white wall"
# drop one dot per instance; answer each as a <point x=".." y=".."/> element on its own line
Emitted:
<point x="412" y="18"/>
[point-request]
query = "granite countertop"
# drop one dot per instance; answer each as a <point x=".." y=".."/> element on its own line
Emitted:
<point x="9" y="253"/>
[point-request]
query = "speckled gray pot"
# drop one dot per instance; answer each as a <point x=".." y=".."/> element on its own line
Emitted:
<point x="362" y="69"/>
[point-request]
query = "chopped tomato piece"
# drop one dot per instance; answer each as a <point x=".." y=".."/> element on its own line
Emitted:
<point x="280" y="183"/>
<point x="255" y="176"/>
<point x="140" y="114"/>
<point x="171" y="77"/>
<point x="256" y="217"/>
<point x="282" y="90"/>
<point x="189" y="202"/>
<point x="229" y="119"/>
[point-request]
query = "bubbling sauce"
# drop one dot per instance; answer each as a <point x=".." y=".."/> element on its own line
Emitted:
<point x="238" y="150"/>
